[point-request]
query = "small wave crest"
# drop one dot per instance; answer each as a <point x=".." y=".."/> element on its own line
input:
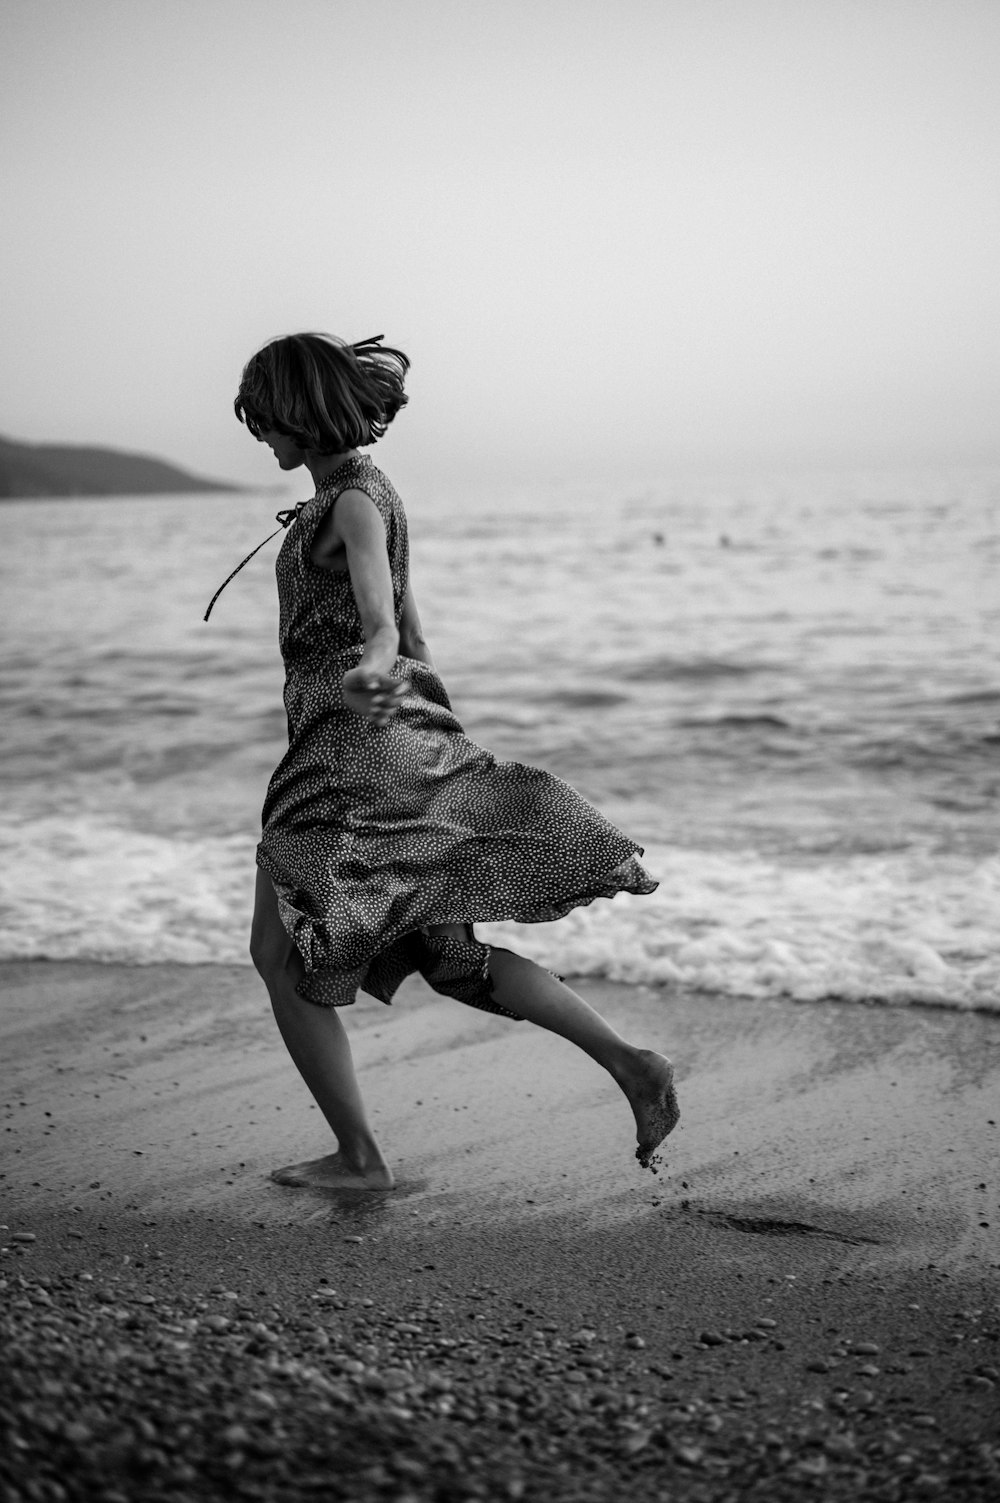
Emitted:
<point x="666" y="669"/>
<point x="734" y="722"/>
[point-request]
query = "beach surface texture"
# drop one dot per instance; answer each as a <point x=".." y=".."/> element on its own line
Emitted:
<point x="803" y="1303"/>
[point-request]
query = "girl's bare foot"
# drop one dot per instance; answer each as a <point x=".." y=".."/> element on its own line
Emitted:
<point x="650" y="1090"/>
<point x="335" y="1173"/>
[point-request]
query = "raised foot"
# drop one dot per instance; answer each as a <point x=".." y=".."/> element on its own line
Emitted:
<point x="334" y="1173"/>
<point x="654" y="1103"/>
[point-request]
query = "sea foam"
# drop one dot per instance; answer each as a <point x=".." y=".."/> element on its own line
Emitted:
<point x="890" y="929"/>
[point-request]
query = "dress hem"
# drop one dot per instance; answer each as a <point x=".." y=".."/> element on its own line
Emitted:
<point x="406" y="953"/>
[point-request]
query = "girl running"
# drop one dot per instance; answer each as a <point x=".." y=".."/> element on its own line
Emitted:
<point x="387" y="833"/>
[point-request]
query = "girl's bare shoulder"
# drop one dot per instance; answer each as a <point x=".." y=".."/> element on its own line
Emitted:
<point x="354" y="519"/>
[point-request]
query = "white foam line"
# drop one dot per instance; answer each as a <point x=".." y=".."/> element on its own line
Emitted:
<point x="892" y="929"/>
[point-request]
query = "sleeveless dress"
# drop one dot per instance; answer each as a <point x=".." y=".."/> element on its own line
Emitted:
<point x="373" y="833"/>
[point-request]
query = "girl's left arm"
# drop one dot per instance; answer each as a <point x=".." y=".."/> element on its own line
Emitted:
<point x="358" y="525"/>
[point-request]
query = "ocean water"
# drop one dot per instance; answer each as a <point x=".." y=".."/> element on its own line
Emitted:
<point x="787" y="690"/>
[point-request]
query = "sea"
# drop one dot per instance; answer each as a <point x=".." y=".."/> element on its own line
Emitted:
<point x="785" y="688"/>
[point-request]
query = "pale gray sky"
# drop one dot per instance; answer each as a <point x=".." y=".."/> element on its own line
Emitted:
<point x="615" y="239"/>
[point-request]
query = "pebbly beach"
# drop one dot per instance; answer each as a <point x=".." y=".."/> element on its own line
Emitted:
<point x="803" y="1302"/>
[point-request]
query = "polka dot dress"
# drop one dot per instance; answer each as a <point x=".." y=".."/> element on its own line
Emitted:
<point x="371" y="834"/>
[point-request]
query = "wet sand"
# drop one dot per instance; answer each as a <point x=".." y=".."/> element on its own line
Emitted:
<point x="806" y="1296"/>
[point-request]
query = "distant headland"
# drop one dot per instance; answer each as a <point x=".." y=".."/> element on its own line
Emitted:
<point x="53" y="470"/>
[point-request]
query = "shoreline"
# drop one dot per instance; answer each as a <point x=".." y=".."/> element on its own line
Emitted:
<point x="832" y="1188"/>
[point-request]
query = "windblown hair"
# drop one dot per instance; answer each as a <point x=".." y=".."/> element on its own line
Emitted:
<point x="325" y="394"/>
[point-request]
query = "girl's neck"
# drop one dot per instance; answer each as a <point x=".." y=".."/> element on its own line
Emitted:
<point x="321" y="465"/>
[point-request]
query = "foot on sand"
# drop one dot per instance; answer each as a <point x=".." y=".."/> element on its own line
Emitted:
<point x="334" y="1173"/>
<point x="654" y="1102"/>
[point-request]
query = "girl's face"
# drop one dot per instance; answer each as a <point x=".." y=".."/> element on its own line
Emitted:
<point x="285" y="450"/>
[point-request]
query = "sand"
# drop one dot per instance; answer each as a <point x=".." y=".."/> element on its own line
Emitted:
<point x="807" y="1296"/>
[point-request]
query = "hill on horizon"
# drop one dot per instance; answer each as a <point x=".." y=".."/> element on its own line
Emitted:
<point x="55" y="470"/>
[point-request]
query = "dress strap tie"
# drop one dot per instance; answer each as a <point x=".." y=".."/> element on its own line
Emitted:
<point x="286" y="518"/>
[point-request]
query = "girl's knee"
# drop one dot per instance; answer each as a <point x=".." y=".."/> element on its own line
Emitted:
<point x="270" y="952"/>
<point x="271" y="948"/>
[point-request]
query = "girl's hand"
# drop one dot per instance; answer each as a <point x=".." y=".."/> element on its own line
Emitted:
<point x="375" y="696"/>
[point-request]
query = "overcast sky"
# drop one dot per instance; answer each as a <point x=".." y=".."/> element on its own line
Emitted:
<point x="615" y="239"/>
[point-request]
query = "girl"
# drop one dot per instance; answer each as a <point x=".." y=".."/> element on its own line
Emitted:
<point x="386" y="832"/>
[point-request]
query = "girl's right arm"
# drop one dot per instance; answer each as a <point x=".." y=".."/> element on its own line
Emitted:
<point x="412" y="642"/>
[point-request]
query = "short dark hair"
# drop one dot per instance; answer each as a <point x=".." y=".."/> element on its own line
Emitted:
<point x="325" y="394"/>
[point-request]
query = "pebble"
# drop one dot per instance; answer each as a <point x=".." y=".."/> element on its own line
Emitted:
<point x="868" y="1371"/>
<point x="354" y="1239"/>
<point x="24" y="1237"/>
<point x="864" y="1348"/>
<point x="378" y="1404"/>
<point x="637" y="1442"/>
<point x="819" y="1365"/>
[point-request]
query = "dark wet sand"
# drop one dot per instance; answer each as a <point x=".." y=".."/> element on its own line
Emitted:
<point x="833" y="1186"/>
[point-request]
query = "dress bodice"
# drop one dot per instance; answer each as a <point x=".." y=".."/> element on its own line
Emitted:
<point x="318" y="614"/>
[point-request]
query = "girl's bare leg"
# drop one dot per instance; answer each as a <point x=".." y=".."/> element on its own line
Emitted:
<point x="646" y="1078"/>
<point x="317" y="1041"/>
